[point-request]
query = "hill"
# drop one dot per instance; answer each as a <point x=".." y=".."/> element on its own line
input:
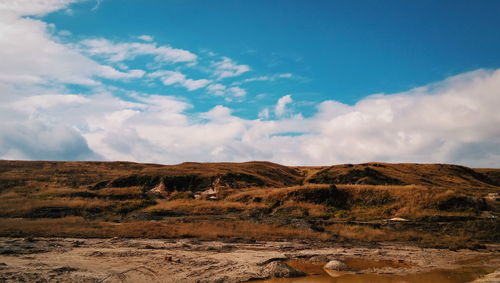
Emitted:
<point x="440" y="203"/>
<point x="443" y="175"/>
<point x="185" y="176"/>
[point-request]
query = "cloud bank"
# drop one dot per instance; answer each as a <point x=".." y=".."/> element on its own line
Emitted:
<point x="452" y="121"/>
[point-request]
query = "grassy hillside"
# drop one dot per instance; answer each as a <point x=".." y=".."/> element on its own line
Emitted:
<point x="443" y="175"/>
<point x="443" y="205"/>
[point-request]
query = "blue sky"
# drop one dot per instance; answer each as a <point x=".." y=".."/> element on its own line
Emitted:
<point x="341" y="50"/>
<point x="296" y="82"/>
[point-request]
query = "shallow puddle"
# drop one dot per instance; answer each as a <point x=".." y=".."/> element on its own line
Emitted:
<point x="363" y="263"/>
<point x="356" y="264"/>
<point x="318" y="275"/>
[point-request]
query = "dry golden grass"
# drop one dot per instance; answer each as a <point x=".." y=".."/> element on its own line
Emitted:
<point x="20" y="207"/>
<point x="411" y="201"/>
<point x="78" y="227"/>
<point x="445" y="175"/>
<point x="301" y="209"/>
<point x="273" y="194"/>
<point x="425" y="239"/>
<point x="201" y="207"/>
<point x="33" y="174"/>
<point x="361" y="202"/>
<point x="119" y="191"/>
<point x="235" y="229"/>
<point x="69" y="206"/>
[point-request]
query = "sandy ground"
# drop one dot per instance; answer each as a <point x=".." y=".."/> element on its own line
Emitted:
<point x="185" y="260"/>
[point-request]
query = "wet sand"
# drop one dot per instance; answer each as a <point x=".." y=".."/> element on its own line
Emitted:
<point x="190" y="260"/>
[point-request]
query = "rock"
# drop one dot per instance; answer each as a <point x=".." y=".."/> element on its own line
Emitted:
<point x="336" y="268"/>
<point x="398" y="219"/>
<point x="267" y="261"/>
<point x="281" y="269"/>
<point x="336" y="265"/>
<point x="159" y="190"/>
<point x="320" y="258"/>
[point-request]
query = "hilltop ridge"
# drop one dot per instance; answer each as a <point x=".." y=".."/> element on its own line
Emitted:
<point x="194" y="175"/>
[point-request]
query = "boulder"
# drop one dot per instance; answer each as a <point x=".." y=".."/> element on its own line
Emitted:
<point x="281" y="269"/>
<point x="336" y="268"/>
<point x="336" y="265"/>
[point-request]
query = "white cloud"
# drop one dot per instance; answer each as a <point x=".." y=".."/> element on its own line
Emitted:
<point x="217" y="89"/>
<point x="117" y="52"/>
<point x="97" y="5"/>
<point x="31" y="104"/>
<point x="173" y="78"/>
<point x="268" y="78"/>
<point x="455" y="121"/>
<point x="229" y="93"/>
<point x="264" y="114"/>
<point x="236" y="91"/>
<point x="42" y="141"/>
<point x="218" y="114"/>
<point x="33" y="7"/>
<point x="286" y="75"/>
<point x="146" y="37"/>
<point x="35" y="57"/>
<point x="280" y="109"/>
<point x="112" y="73"/>
<point x="228" y="68"/>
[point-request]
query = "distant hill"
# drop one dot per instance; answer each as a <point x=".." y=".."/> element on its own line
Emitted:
<point x="443" y="175"/>
<point x="185" y="176"/>
<point x="200" y="176"/>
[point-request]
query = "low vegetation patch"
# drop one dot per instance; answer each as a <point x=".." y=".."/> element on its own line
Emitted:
<point x="203" y="207"/>
<point x="209" y="230"/>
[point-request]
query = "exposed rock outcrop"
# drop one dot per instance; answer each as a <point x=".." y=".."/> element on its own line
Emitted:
<point x="280" y="269"/>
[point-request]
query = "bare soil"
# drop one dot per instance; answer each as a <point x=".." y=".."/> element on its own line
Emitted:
<point x="190" y="260"/>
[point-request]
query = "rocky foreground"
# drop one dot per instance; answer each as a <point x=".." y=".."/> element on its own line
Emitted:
<point x="185" y="260"/>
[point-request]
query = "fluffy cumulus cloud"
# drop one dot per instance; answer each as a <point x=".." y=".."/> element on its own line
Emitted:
<point x="227" y="68"/>
<point x="177" y="78"/>
<point x="445" y="122"/>
<point x="32" y="7"/>
<point x="454" y="121"/>
<point x="229" y="93"/>
<point x="37" y="140"/>
<point x="34" y="57"/>
<point x="116" y="52"/>
<point x="146" y="37"/>
<point x="280" y="110"/>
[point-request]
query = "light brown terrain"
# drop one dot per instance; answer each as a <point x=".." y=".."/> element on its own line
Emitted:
<point x="190" y="260"/>
<point x="220" y="221"/>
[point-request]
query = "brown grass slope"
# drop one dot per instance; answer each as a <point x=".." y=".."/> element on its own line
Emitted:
<point x="441" y="175"/>
<point x="38" y="189"/>
<point x="85" y="199"/>
<point x="185" y="176"/>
